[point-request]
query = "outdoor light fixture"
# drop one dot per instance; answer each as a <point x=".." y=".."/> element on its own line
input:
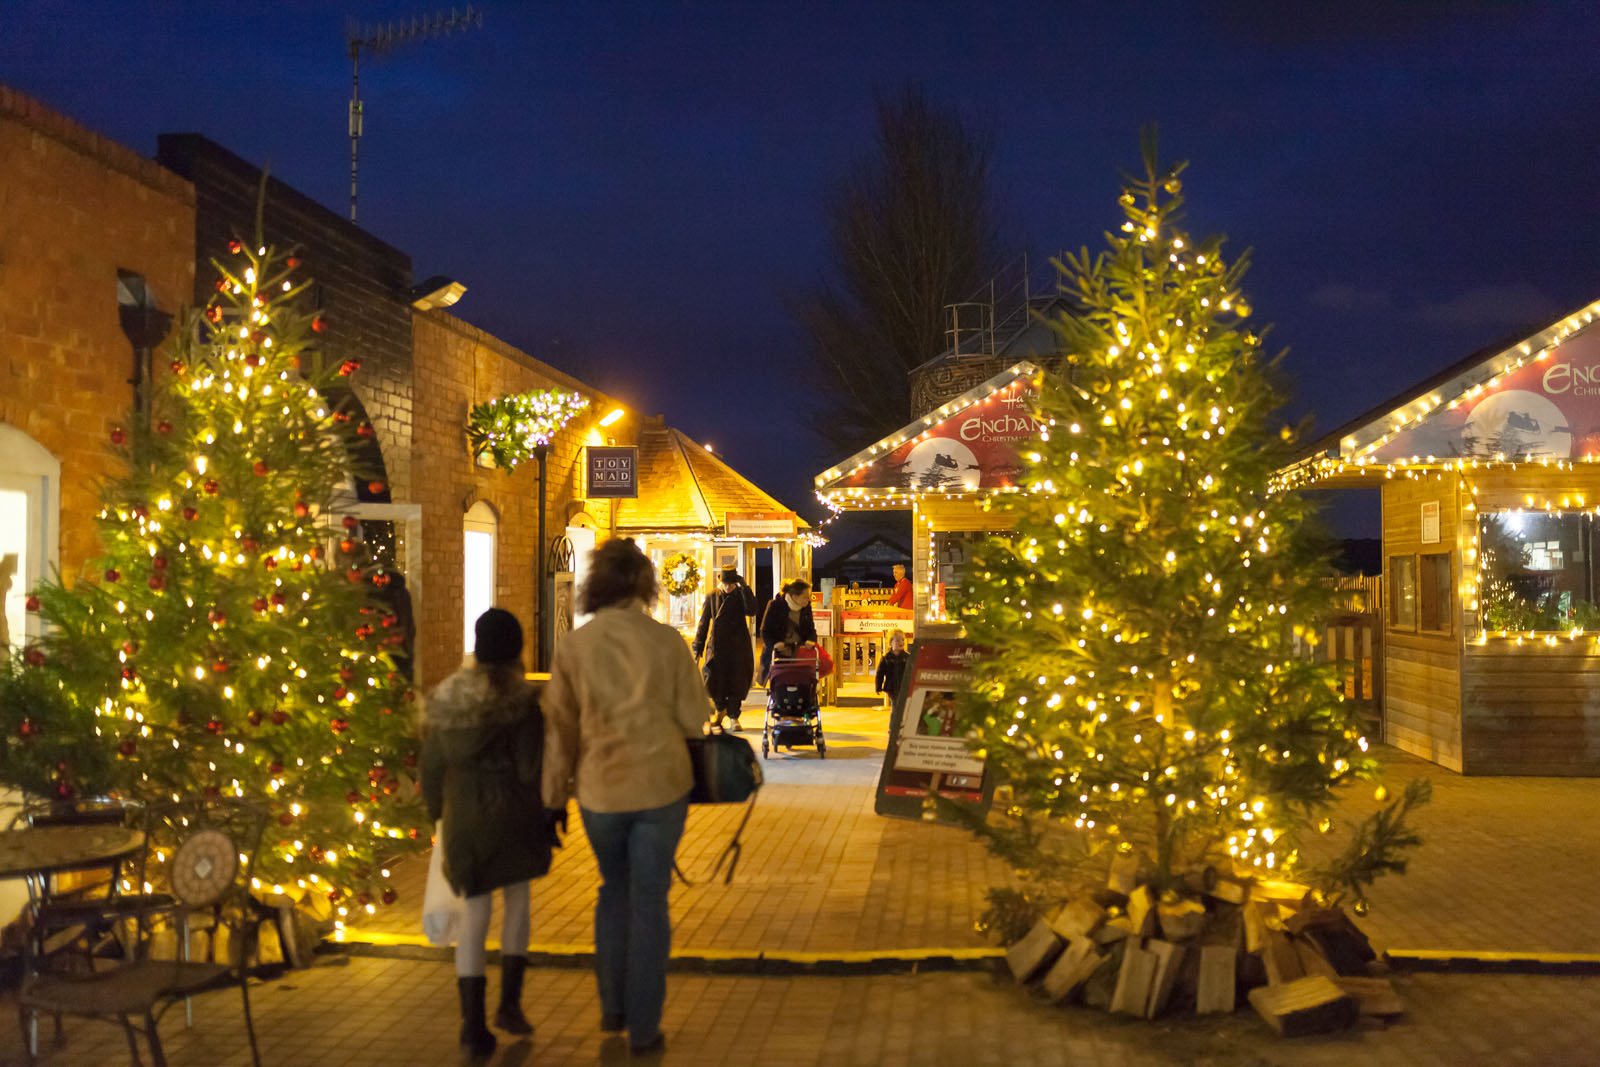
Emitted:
<point x="612" y="416"/>
<point x="437" y="292"/>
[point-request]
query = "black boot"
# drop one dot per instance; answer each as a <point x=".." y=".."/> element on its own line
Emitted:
<point x="475" y="1035"/>
<point x="509" y="1017"/>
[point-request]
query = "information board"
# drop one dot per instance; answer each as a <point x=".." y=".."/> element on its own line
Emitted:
<point x="927" y="756"/>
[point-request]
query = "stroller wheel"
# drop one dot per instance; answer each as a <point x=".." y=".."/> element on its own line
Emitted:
<point x="764" y="749"/>
<point x="822" y="749"/>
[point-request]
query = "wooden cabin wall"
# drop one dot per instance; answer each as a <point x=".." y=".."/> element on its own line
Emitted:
<point x="1532" y="708"/>
<point x="1422" y="670"/>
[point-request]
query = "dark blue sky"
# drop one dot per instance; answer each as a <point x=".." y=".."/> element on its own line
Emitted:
<point x="646" y="181"/>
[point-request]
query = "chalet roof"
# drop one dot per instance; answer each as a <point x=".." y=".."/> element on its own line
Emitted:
<point x="1422" y="425"/>
<point x="684" y="487"/>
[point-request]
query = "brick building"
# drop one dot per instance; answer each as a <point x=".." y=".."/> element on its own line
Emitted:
<point x="79" y="217"/>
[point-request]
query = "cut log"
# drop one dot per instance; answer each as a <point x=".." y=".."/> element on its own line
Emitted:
<point x="1076" y="964"/>
<point x="1312" y="960"/>
<point x="1134" y="981"/>
<point x="1182" y="920"/>
<point x="1374" y="996"/>
<point x="1279" y="958"/>
<point x="1255" y="925"/>
<point x="1169" y="959"/>
<point x="1232" y="890"/>
<point x="1217" y="992"/>
<point x="1142" y="912"/>
<point x="1306" y="1006"/>
<point x="1290" y="892"/>
<point x="1114" y="929"/>
<point x="1102" y="983"/>
<point x="1036" y="951"/>
<point x="1077" y="918"/>
<point x="1343" y="944"/>
<point x="1124" y="869"/>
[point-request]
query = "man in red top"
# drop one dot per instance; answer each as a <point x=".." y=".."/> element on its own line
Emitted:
<point x="901" y="597"/>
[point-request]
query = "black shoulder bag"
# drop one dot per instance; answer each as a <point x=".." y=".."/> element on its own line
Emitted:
<point x="725" y="772"/>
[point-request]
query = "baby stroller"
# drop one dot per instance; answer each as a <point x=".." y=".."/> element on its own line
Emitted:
<point x="793" y="717"/>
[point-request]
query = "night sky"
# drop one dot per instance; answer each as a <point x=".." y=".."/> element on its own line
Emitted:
<point x="633" y="191"/>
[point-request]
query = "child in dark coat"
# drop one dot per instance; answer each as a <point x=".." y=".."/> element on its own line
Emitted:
<point x="892" y="666"/>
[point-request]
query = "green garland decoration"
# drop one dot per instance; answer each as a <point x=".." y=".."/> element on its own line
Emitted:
<point x="510" y="429"/>
<point x="680" y="575"/>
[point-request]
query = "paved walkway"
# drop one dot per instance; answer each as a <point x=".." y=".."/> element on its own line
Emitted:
<point x="394" y="1013"/>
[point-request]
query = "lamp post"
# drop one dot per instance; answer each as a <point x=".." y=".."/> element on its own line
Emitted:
<point x="509" y="429"/>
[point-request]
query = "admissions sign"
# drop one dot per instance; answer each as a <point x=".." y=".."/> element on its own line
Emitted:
<point x="927" y="755"/>
<point x="1545" y="409"/>
<point x="613" y="471"/>
<point x="874" y="620"/>
<point x="976" y="448"/>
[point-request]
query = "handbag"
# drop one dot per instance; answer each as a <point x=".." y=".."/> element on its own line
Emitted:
<point x="441" y="907"/>
<point x="725" y="772"/>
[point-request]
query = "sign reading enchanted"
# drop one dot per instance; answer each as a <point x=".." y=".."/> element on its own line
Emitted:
<point x="613" y="471"/>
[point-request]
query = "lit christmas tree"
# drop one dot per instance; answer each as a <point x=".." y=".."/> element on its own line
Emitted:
<point x="1146" y="688"/>
<point x="235" y="643"/>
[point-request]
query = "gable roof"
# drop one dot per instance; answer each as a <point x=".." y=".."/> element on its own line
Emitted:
<point x="684" y="487"/>
<point x="888" y="471"/>
<point x="1446" y="419"/>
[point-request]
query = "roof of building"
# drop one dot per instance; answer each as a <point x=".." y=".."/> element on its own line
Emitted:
<point x="685" y="487"/>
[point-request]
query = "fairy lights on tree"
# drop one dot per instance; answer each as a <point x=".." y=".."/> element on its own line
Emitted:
<point x="231" y="642"/>
<point x="1145" y="688"/>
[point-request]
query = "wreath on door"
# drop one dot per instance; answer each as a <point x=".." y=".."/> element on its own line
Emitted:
<point x="680" y="575"/>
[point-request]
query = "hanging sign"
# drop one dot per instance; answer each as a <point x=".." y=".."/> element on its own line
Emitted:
<point x="739" y="524"/>
<point x="927" y="755"/>
<point x="613" y="471"/>
<point x="1430" y="522"/>
<point x="874" y="620"/>
<point x="976" y="448"/>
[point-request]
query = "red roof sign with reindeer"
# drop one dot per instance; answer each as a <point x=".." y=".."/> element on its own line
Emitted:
<point x="969" y="444"/>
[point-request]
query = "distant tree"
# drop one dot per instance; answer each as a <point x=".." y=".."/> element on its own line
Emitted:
<point x="911" y="227"/>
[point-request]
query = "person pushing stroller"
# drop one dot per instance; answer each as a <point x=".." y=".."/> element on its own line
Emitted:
<point x="787" y="624"/>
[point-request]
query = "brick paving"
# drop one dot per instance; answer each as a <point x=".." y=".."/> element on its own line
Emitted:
<point x="394" y="1013"/>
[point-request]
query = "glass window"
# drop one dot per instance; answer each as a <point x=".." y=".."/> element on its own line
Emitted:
<point x="1403" y="592"/>
<point x="1433" y="592"/>
<point x="1537" y="571"/>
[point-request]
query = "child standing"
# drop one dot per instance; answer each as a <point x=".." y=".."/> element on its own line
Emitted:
<point x="892" y="666"/>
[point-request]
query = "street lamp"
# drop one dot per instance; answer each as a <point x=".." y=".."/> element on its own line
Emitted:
<point x="508" y="430"/>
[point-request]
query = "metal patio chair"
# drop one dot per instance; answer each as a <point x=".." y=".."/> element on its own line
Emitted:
<point x="207" y="855"/>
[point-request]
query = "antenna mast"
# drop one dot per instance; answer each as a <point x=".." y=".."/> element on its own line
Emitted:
<point x="378" y="39"/>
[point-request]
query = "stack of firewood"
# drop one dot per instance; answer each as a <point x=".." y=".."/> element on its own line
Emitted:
<point x="1305" y="968"/>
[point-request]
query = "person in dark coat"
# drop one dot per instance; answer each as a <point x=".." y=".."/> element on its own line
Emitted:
<point x="892" y="666"/>
<point x="787" y="624"/>
<point x="482" y="759"/>
<point x="724" y="638"/>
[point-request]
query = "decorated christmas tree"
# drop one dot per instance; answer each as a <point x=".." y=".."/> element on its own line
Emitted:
<point x="234" y="641"/>
<point x="1152" y="692"/>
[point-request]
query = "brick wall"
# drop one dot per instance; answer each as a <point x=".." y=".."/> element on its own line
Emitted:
<point x="457" y="366"/>
<point x="362" y="285"/>
<point x="74" y="208"/>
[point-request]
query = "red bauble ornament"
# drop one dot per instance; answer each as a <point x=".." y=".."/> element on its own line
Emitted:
<point x="353" y="574"/>
<point x="316" y="552"/>
<point x="292" y="262"/>
<point x="235" y="247"/>
<point x="190" y="513"/>
<point x="378" y="774"/>
<point x="260" y="603"/>
<point x="211" y="486"/>
<point x="319" y="324"/>
<point x="118" y="435"/>
<point x="340" y="725"/>
<point x="341" y="416"/>
<point x="376" y="486"/>
<point x="217" y="617"/>
<point x="295" y="566"/>
<point x="346" y="673"/>
<point x="363" y="898"/>
<point x="253" y="359"/>
<point x="163" y="427"/>
<point x="363" y="631"/>
<point x="389" y="896"/>
<point x="275" y="767"/>
<point x="212" y="792"/>
<point x="213" y="314"/>
<point x="214" y="726"/>
<point x="278" y="600"/>
<point x="347" y="546"/>
<point x="380" y="580"/>
<point x="270" y="562"/>
<point x="112" y="574"/>
<point x="128" y="673"/>
<point x="260" y="467"/>
<point x="222" y="285"/>
<point x="177" y="367"/>
<point x="280" y="717"/>
<point x="340" y="692"/>
<point x="128" y="748"/>
<point x="353" y="797"/>
<point x="158" y="582"/>
<point x="64" y="790"/>
<point x="386" y="711"/>
<point x="26" y="728"/>
<point x="32" y="603"/>
<point x="333" y="894"/>
<point x="219" y="667"/>
<point x="301" y="511"/>
<point x="129" y="648"/>
<point x="249" y="545"/>
<point x="158" y="562"/>
<point x="349" y="367"/>
<point x="254" y="717"/>
<point x="388" y="621"/>
<point x="285" y="819"/>
<point x="33" y="657"/>
<point x="365" y="430"/>
<point x="351" y="522"/>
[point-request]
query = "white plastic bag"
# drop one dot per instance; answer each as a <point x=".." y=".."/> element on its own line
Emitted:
<point x="441" y="908"/>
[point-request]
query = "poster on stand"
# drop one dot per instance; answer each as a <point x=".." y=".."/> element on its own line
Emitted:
<point x="927" y="755"/>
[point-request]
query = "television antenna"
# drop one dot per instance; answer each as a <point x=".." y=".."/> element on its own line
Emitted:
<point x="379" y="38"/>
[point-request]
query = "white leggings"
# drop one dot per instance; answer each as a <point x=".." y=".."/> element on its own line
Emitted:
<point x="471" y="954"/>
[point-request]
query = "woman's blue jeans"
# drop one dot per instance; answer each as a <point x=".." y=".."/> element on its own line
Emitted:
<point x="632" y="928"/>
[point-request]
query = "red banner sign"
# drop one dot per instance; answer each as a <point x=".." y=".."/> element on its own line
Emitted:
<point x="976" y="448"/>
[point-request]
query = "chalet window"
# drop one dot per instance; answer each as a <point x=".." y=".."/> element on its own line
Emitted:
<point x="1536" y="571"/>
<point x="1403" y="592"/>
<point x="1433" y="592"/>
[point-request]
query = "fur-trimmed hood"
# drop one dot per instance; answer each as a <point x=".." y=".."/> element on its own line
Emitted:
<point x="470" y="698"/>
